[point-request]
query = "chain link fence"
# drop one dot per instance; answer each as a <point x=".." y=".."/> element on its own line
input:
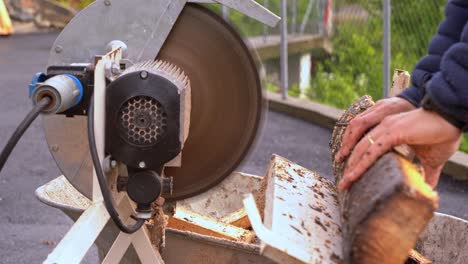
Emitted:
<point x="304" y="17"/>
<point x="355" y="29"/>
<point x="357" y="65"/>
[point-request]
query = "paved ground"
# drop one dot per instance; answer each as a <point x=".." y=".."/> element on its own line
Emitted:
<point x="26" y="224"/>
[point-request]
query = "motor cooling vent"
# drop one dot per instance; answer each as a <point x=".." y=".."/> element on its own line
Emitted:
<point x="143" y="121"/>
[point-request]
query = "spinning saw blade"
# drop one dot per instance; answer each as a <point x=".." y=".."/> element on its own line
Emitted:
<point x="226" y="107"/>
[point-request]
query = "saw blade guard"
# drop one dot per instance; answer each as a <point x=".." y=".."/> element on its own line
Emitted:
<point x="221" y="94"/>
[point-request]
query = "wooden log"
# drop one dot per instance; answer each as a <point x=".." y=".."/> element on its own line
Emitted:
<point x="401" y="81"/>
<point x="238" y="218"/>
<point x="384" y="212"/>
<point x="192" y="222"/>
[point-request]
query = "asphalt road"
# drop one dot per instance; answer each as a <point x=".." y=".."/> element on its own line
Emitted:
<point x="26" y="225"/>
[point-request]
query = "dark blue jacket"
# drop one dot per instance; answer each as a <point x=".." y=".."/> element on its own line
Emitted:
<point x="441" y="77"/>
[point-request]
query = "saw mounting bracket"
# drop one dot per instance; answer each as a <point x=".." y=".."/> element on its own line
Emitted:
<point x="79" y="239"/>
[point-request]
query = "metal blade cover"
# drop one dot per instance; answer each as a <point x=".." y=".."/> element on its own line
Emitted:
<point x="227" y="107"/>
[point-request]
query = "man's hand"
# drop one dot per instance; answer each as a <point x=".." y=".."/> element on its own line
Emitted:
<point x="433" y="139"/>
<point x="365" y="121"/>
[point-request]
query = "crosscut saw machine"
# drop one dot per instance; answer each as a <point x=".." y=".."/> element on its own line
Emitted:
<point x="155" y="98"/>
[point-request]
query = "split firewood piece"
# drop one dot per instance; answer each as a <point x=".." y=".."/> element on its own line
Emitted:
<point x="238" y="218"/>
<point x="416" y="258"/>
<point x="260" y="197"/>
<point x="192" y="222"/>
<point x="401" y="81"/>
<point x="383" y="213"/>
<point x="157" y="225"/>
<point x="301" y="219"/>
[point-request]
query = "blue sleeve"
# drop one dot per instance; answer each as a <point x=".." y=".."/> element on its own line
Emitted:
<point x="448" y="34"/>
<point x="448" y="89"/>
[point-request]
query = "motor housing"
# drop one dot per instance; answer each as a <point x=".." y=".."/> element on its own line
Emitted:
<point x="143" y="120"/>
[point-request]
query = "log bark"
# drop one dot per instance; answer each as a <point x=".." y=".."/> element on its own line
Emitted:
<point x="384" y="212"/>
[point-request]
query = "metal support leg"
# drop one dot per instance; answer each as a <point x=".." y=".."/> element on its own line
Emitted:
<point x="294" y="17"/>
<point x="85" y="231"/>
<point x="387" y="9"/>
<point x="81" y="236"/>
<point x="265" y="27"/>
<point x="140" y="240"/>
<point x="307" y="14"/>
<point x="225" y="12"/>
<point x="284" y="49"/>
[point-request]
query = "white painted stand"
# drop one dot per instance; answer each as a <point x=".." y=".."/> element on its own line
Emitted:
<point x="85" y="231"/>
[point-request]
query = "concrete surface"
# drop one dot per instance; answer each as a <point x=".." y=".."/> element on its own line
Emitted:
<point x="26" y="226"/>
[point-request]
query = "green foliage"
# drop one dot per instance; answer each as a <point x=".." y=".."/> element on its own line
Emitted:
<point x="294" y="91"/>
<point x="464" y="144"/>
<point x="78" y="4"/>
<point x="353" y="69"/>
<point x="271" y="87"/>
<point x="250" y="27"/>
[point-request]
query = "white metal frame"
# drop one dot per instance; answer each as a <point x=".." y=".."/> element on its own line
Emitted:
<point x="86" y="230"/>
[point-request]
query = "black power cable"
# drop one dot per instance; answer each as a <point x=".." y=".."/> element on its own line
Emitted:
<point x="23" y="126"/>
<point x="107" y="196"/>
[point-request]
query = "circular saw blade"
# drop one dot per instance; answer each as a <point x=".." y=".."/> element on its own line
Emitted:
<point x="226" y="99"/>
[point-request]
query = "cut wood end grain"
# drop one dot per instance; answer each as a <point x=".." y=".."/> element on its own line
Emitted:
<point x="192" y="222"/>
<point x="417" y="258"/>
<point x="416" y="182"/>
<point x="238" y="218"/>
